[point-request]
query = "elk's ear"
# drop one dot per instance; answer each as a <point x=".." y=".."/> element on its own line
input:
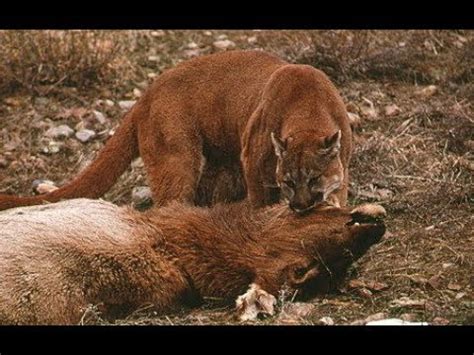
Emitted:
<point x="332" y="143"/>
<point x="279" y="145"/>
<point x="300" y="272"/>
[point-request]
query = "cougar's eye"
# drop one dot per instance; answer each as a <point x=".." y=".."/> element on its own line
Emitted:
<point x="289" y="183"/>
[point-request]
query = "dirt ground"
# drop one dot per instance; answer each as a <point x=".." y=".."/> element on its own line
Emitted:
<point x="413" y="92"/>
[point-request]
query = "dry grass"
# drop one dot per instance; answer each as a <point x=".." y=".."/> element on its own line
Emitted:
<point x="39" y="61"/>
<point x="418" y="162"/>
<point x="409" y="56"/>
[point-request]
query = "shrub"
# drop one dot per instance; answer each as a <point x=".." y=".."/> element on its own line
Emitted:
<point x="41" y="60"/>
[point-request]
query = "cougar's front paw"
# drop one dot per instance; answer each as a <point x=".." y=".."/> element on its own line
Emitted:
<point x="333" y="201"/>
<point x="255" y="302"/>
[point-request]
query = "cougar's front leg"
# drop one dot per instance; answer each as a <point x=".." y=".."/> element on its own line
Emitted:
<point x="173" y="166"/>
<point x="339" y="198"/>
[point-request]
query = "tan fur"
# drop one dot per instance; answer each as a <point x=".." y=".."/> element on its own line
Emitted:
<point x="56" y="260"/>
<point x="370" y="209"/>
<point x="213" y="116"/>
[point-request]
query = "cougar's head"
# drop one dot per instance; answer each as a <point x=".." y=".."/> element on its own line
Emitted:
<point x="309" y="169"/>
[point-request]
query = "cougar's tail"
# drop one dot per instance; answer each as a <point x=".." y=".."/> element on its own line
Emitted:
<point x="99" y="176"/>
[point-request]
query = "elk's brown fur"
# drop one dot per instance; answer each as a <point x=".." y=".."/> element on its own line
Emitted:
<point x="57" y="259"/>
<point x="215" y="113"/>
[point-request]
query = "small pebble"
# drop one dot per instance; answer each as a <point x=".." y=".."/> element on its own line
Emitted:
<point x="85" y="135"/>
<point x="99" y="116"/>
<point x="224" y="44"/>
<point x="62" y="131"/>
<point x="141" y="195"/>
<point x="326" y="321"/>
<point x="126" y="104"/>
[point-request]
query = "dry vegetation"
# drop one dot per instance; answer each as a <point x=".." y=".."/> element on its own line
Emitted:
<point x="412" y="90"/>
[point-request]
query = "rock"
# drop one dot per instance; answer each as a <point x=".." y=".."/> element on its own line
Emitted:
<point x="454" y="286"/>
<point x="189" y="53"/>
<point x="354" y="119"/>
<point x="62" y="131"/>
<point x="469" y="144"/>
<point x="3" y="163"/>
<point x="427" y="91"/>
<point x="45" y="188"/>
<point x="12" y="101"/>
<point x="295" y="311"/>
<point x="370" y="112"/>
<point x="405" y="302"/>
<point x="41" y="186"/>
<point x="126" y="104"/>
<point x="75" y="112"/>
<point x="154" y="58"/>
<point x="80" y="126"/>
<point x="137" y="163"/>
<point x="221" y="37"/>
<point x="137" y="93"/>
<point x="99" y="116"/>
<point x="408" y="317"/>
<point x="371" y="318"/>
<point x="152" y="75"/>
<point x="41" y="101"/>
<point x="252" y="39"/>
<point x="375" y="317"/>
<point x="440" y="321"/>
<point x="109" y="103"/>
<point x="158" y="33"/>
<point x="460" y="295"/>
<point x="376" y="193"/>
<point x="326" y="321"/>
<point x="52" y="148"/>
<point x="224" y="44"/>
<point x="447" y="265"/>
<point x="418" y="280"/>
<point x="141" y="195"/>
<point x="434" y="281"/>
<point x="372" y="285"/>
<point x="11" y="146"/>
<point x="466" y="164"/>
<point x="207" y="33"/>
<point x="392" y="110"/>
<point x="394" y="321"/>
<point x="85" y="135"/>
<point x="364" y="292"/>
<point x="357" y="322"/>
<point x="192" y="45"/>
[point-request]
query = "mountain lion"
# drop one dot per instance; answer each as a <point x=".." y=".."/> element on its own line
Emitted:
<point x="276" y="128"/>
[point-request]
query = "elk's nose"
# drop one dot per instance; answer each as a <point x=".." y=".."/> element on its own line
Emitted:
<point x="318" y="197"/>
<point x="299" y="207"/>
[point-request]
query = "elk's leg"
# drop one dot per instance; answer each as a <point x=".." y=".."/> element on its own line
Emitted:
<point x="254" y="302"/>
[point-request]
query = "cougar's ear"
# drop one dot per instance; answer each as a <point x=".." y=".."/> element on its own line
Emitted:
<point x="332" y="143"/>
<point x="300" y="272"/>
<point x="279" y="145"/>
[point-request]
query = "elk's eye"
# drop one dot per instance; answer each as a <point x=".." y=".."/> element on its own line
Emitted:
<point x="300" y="272"/>
<point x="313" y="181"/>
<point x="289" y="183"/>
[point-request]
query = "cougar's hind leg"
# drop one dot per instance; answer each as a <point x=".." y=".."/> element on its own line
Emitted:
<point x="173" y="165"/>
